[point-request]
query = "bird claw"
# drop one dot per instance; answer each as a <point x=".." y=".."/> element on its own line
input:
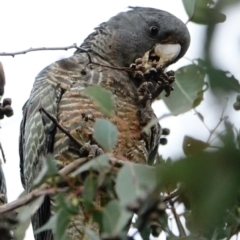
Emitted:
<point x="90" y="151"/>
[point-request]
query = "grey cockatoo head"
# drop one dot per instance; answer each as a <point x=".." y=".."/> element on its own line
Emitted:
<point x="130" y="34"/>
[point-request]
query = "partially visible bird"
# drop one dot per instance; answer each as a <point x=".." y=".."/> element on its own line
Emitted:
<point x="2" y="80"/>
<point x="5" y="233"/>
<point x="3" y="192"/>
<point x="6" y="220"/>
<point x="58" y="89"/>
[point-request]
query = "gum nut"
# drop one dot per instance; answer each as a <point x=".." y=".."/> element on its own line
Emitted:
<point x="7" y="101"/>
<point x="170" y="73"/>
<point x="159" y="68"/>
<point x="8" y="111"/>
<point x="163" y="141"/>
<point x="236" y="105"/>
<point x="83" y="72"/>
<point x="165" y="131"/>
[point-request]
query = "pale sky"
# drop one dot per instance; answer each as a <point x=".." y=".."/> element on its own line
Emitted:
<point x="54" y="23"/>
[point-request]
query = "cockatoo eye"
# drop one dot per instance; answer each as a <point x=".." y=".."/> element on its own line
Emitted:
<point x="154" y="31"/>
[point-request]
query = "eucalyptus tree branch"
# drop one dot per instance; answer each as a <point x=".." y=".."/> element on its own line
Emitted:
<point x="13" y="54"/>
<point x="177" y="219"/>
<point x="42" y="190"/>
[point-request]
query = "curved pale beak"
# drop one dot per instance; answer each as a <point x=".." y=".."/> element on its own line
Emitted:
<point x="167" y="53"/>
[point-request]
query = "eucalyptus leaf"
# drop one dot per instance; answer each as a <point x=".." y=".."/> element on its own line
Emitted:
<point x="48" y="169"/>
<point x="24" y="216"/>
<point x="59" y="222"/>
<point x="133" y="180"/>
<point x="203" y="12"/>
<point x="102" y="97"/>
<point x="90" y="188"/>
<point x="114" y="218"/>
<point x="91" y="235"/>
<point x="208" y="184"/>
<point x="192" y="146"/>
<point x="100" y="163"/>
<point x="49" y="225"/>
<point x="223" y="81"/>
<point x="105" y="133"/>
<point x="22" y="226"/>
<point x="145" y="233"/>
<point x="188" y="89"/>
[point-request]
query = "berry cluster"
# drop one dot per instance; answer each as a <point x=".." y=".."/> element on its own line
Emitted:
<point x="5" y="108"/>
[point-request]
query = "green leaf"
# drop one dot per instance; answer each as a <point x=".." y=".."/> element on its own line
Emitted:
<point x="192" y="146"/>
<point x="48" y="169"/>
<point x="20" y="231"/>
<point x="208" y="184"/>
<point x="102" y="97"/>
<point x="62" y="222"/>
<point x="201" y="117"/>
<point x="91" y="235"/>
<point x="105" y="133"/>
<point x="202" y="12"/>
<point x="31" y="209"/>
<point x="99" y="164"/>
<point x="188" y="90"/>
<point x="49" y="225"/>
<point x="132" y="180"/>
<point x="222" y="81"/>
<point x="90" y="188"/>
<point x="24" y="216"/>
<point x="59" y="222"/>
<point x="145" y="233"/>
<point x="114" y="218"/>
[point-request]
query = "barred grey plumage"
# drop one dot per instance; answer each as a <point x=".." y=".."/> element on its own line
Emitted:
<point x="6" y="220"/>
<point x="58" y="87"/>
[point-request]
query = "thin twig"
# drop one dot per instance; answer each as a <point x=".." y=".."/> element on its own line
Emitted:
<point x="177" y="219"/>
<point x="128" y="69"/>
<point x="54" y="120"/>
<point x="42" y="189"/>
<point x="74" y="45"/>
<point x="219" y="134"/>
<point x="222" y="118"/>
<point x="171" y="196"/>
<point x="197" y="113"/>
<point x="3" y="155"/>
<point x="211" y="132"/>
